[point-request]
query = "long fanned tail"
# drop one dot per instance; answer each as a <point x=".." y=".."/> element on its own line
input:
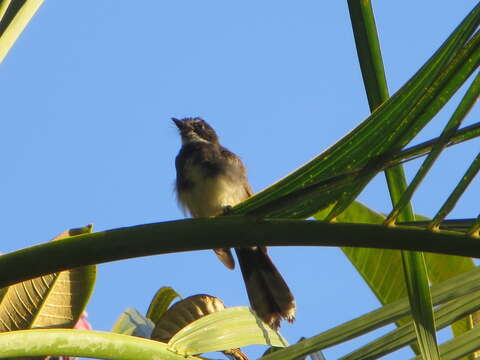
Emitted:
<point x="269" y="295"/>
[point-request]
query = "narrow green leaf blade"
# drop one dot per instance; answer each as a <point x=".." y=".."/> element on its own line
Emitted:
<point x="461" y="111"/>
<point x="368" y="51"/>
<point x="467" y="133"/>
<point x="451" y="289"/>
<point x="368" y="48"/>
<point x="461" y="346"/>
<point x="421" y="303"/>
<point x="382" y="268"/>
<point x="361" y="145"/>
<point x="457" y="192"/>
<point x="162" y="299"/>
<point x="405" y="334"/>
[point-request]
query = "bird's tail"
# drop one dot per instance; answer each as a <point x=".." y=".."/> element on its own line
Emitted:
<point x="268" y="293"/>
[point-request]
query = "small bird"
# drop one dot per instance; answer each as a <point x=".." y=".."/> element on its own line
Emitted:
<point x="210" y="179"/>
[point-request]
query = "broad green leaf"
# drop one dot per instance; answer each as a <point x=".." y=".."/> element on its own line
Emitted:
<point x="162" y="299"/>
<point x="53" y="300"/>
<point x="227" y="329"/>
<point x="14" y="16"/>
<point x="184" y="314"/>
<point x="83" y="343"/>
<point x="461" y="285"/>
<point x="381" y="268"/>
<point x="131" y="322"/>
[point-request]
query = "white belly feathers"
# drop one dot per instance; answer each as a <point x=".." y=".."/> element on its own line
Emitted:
<point x="210" y="195"/>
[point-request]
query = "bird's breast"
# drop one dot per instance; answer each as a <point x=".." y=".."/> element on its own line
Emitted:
<point x="207" y="194"/>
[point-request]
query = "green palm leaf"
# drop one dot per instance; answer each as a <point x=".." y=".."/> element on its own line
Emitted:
<point x="454" y="288"/>
<point x="403" y="116"/>
<point x="461" y="346"/>
<point x="381" y="268"/>
<point x="405" y="334"/>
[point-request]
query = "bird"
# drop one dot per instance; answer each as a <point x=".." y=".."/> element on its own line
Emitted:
<point x="211" y="179"/>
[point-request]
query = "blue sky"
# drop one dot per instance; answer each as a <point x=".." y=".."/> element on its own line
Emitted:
<point x="88" y="92"/>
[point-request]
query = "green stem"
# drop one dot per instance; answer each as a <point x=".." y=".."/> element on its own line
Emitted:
<point x="83" y="343"/>
<point x="415" y="271"/>
<point x="368" y="51"/>
<point x="475" y="229"/>
<point x="200" y="234"/>
<point x="464" y="134"/>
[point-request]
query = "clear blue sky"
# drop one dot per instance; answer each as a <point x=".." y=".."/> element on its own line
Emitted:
<point x="88" y="91"/>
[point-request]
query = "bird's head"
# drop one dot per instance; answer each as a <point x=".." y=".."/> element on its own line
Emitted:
<point x="195" y="130"/>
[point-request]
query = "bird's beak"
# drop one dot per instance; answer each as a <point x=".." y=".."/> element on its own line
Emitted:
<point x="179" y="123"/>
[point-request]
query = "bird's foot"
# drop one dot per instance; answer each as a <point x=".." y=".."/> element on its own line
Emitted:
<point x="227" y="210"/>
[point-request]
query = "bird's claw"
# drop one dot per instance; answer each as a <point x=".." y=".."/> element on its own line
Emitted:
<point x="227" y="210"/>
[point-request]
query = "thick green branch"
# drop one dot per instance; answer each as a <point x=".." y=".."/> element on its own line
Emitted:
<point x="84" y="343"/>
<point x="198" y="234"/>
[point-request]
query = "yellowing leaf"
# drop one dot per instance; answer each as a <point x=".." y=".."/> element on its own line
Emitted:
<point x="53" y="300"/>
<point x="14" y="16"/>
